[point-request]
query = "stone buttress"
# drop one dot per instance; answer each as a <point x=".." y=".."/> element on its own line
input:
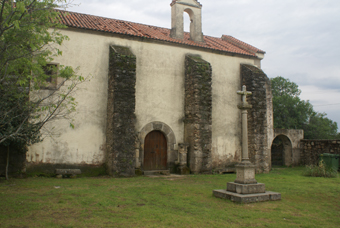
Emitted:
<point x="121" y="135"/>
<point x="260" y="117"/>
<point x="198" y="113"/>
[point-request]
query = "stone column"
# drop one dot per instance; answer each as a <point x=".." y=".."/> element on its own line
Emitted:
<point x="182" y="159"/>
<point x="245" y="171"/>
<point x="182" y="153"/>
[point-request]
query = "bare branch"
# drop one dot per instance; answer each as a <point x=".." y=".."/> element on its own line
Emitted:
<point x="58" y="105"/>
<point x="2" y="10"/>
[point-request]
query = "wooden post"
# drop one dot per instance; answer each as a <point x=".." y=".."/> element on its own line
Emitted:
<point x="7" y="163"/>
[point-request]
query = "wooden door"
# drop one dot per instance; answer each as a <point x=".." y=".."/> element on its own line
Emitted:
<point x="155" y="151"/>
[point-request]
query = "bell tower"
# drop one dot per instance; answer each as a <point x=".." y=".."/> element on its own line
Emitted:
<point x="194" y="9"/>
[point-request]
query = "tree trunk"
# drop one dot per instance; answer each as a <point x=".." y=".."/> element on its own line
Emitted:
<point x="7" y="163"/>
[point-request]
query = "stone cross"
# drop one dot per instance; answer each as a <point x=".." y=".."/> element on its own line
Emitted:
<point x="244" y="106"/>
<point x="245" y="188"/>
<point x="244" y="94"/>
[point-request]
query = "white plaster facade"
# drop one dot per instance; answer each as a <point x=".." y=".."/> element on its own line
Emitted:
<point x="160" y="89"/>
<point x="159" y="97"/>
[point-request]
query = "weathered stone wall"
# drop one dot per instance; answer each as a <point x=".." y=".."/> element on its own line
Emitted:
<point x="121" y="135"/>
<point x="311" y="149"/>
<point x="17" y="159"/>
<point x="258" y="135"/>
<point x="198" y="111"/>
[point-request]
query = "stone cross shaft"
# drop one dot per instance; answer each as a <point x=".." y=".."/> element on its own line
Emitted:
<point x="244" y="106"/>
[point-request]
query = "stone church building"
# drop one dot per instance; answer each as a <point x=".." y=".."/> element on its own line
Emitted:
<point x="156" y="93"/>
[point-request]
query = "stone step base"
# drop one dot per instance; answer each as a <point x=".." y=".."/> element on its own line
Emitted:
<point x="247" y="198"/>
<point x="246" y="188"/>
<point x="156" y="172"/>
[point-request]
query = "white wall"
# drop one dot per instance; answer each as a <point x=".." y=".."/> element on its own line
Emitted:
<point x="159" y="97"/>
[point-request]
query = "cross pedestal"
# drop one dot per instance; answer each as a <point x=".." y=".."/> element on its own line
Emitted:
<point x="245" y="188"/>
<point x="245" y="173"/>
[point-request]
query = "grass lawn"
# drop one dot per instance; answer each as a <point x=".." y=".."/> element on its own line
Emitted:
<point x="167" y="202"/>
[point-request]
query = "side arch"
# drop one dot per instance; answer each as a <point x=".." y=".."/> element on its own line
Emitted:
<point x="170" y="138"/>
<point x="281" y="151"/>
<point x="294" y="136"/>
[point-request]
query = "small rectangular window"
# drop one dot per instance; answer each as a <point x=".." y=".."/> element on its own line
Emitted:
<point x="51" y="71"/>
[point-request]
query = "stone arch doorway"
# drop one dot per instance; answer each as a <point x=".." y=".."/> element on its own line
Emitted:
<point x="294" y="136"/>
<point x="155" y="151"/>
<point x="166" y="131"/>
<point x="281" y="151"/>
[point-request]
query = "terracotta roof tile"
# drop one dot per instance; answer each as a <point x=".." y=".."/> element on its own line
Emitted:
<point x="84" y="21"/>
<point x="241" y="44"/>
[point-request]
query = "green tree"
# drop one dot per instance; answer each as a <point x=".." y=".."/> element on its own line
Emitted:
<point x="320" y="127"/>
<point x="29" y="40"/>
<point x="290" y="112"/>
<point x="338" y="136"/>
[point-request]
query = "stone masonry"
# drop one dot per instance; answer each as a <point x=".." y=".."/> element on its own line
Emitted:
<point x="312" y="148"/>
<point x="121" y="135"/>
<point x="198" y="113"/>
<point x="259" y="117"/>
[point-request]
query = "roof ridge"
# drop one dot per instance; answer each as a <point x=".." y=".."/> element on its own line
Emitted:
<point x="123" y="21"/>
<point x="225" y="43"/>
<point x="120" y="20"/>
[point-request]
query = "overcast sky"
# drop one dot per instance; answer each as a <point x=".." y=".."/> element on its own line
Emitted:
<point x="301" y="37"/>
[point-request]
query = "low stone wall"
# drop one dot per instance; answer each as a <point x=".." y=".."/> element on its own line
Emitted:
<point x="311" y="150"/>
<point x="48" y="170"/>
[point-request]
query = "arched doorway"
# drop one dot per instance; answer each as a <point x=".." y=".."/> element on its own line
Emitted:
<point x="281" y="151"/>
<point x="155" y="151"/>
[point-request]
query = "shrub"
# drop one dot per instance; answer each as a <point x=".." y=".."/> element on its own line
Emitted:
<point x="320" y="170"/>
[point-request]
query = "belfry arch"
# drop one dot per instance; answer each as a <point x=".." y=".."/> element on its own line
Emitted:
<point x="194" y="9"/>
<point x="187" y="21"/>
<point x="191" y="17"/>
